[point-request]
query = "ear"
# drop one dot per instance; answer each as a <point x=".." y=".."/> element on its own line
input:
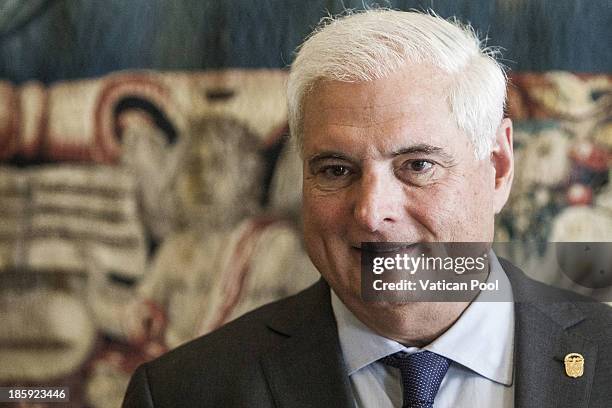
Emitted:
<point x="502" y="158"/>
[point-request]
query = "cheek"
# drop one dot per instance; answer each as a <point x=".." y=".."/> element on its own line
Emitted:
<point x="322" y="228"/>
<point x="322" y="212"/>
<point x="481" y="193"/>
<point x="473" y="210"/>
<point x="325" y="217"/>
<point x="457" y="209"/>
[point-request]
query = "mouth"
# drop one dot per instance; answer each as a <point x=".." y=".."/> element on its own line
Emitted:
<point x="384" y="247"/>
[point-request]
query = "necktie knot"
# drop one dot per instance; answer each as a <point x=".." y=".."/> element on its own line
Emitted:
<point x="422" y="374"/>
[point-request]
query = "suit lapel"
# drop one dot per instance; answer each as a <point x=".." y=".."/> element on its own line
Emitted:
<point x="546" y="330"/>
<point x="308" y="369"/>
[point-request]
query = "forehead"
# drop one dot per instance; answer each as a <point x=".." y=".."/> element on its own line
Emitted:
<point x="408" y="107"/>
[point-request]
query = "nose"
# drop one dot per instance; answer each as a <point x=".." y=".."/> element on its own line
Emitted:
<point x="377" y="201"/>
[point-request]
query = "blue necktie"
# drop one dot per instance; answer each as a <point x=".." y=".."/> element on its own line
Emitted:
<point x="422" y="374"/>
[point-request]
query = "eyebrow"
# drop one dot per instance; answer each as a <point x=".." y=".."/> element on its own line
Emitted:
<point x="421" y="148"/>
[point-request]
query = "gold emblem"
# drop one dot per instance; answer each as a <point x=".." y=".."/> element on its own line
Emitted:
<point x="574" y="365"/>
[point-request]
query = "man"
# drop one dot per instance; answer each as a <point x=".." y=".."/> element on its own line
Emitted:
<point x="400" y="120"/>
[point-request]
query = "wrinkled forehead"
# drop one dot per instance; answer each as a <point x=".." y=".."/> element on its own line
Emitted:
<point x="415" y="87"/>
<point x="354" y="104"/>
<point x="409" y="106"/>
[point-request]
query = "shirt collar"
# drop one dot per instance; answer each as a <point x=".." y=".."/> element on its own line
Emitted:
<point x="482" y="339"/>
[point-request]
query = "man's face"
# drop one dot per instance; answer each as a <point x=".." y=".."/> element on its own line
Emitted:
<point x="385" y="161"/>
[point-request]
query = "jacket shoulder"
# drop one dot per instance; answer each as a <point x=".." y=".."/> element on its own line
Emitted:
<point x="208" y="368"/>
<point x="597" y="315"/>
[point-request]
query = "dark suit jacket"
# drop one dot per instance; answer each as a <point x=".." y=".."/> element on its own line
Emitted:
<point x="287" y="354"/>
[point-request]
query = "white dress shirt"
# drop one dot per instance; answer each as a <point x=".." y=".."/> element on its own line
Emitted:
<point x="480" y="346"/>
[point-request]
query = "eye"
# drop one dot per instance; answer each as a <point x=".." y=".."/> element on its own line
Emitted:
<point x="420" y="166"/>
<point x="418" y="172"/>
<point x="335" y="171"/>
<point x="333" y="176"/>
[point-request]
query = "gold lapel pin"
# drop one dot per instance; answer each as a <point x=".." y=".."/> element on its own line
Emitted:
<point x="574" y="365"/>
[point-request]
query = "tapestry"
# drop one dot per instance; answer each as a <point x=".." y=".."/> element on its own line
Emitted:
<point x="563" y="164"/>
<point x="62" y="217"/>
<point x="153" y="207"/>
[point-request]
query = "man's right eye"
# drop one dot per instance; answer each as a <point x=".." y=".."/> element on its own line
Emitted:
<point x="335" y="171"/>
<point x="334" y="176"/>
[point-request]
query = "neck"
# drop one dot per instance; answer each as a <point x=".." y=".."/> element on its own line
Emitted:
<point x="411" y="324"/>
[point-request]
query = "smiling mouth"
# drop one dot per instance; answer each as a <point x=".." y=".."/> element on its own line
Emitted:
<point x="384" y="247"/>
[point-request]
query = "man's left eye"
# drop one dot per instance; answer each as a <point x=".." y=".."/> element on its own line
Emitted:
<point x="418" y="172"/>
<point x="419" y="166"/>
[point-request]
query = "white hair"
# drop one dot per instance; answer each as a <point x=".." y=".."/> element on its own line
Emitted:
<point x="373" y="44"/>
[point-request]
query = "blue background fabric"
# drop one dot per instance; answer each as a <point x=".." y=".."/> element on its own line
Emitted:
<point x="52" y="40"/>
